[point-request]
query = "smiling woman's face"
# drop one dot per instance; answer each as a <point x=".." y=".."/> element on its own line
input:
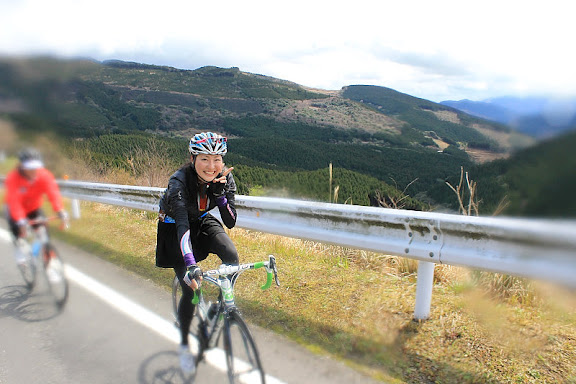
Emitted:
<point x="208" y="166"/>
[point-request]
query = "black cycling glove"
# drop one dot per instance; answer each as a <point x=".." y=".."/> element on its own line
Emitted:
<point x="218" y="189"/>
<point x="193" y="273"/>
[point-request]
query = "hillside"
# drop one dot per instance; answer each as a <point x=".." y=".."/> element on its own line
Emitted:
<point x="276" y="126"/>
<point x="92" y="97"/>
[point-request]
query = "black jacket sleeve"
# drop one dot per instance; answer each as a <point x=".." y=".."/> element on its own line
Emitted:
<point x="177" y="199"/>
<point x="228" y="211"/>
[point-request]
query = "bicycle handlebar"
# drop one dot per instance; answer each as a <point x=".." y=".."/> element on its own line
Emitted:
<point x="270" y="266"/>
<point x="45" y="220"/>
<point x="41" y="220"/>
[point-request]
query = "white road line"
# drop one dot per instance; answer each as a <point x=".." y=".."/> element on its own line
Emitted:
<point x="140" y="314"/>
<point x="5" y="235"/>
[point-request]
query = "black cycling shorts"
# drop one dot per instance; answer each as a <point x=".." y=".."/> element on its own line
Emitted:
<point x="31" y="216"/>
<point x="210" y="238"/>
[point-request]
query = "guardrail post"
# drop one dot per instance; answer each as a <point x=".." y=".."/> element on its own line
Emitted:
<point x="424" y="284"/>
<point x="75" y="208"/>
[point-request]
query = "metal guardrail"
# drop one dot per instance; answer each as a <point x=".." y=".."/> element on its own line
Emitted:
<point x="533" y="248"/>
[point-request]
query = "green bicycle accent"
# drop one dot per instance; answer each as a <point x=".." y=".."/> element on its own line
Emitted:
<point x="228" y="296"/>
<point x="196" y="298"/>
<point x="269" y="277"/>
<point x="259" y="264"/>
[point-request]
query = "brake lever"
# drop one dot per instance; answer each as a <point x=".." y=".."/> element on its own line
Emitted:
<point x="272" y="266"/>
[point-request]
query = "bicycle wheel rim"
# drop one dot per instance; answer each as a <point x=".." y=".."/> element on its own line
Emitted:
<point x="242" y="357"/>
<point x="57" y="282"/>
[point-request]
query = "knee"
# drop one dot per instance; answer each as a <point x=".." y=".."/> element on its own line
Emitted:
<point x="230" y="256"/>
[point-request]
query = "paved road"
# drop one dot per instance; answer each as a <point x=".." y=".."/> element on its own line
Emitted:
<point x="117" y="328"/>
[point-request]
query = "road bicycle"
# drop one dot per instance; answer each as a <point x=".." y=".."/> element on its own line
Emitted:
<point x="220" y="323"/>
<point x="41" y="255"/>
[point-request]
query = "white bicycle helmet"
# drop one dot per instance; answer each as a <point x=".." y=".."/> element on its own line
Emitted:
<point x="30" y="158"/>
<point x="208" y="143"/>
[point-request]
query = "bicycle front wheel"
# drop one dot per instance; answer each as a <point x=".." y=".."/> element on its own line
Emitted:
<point x="242" y="355"/>
<point x="197" y="331"/>
<point x="28" y="271"/>
<point x="57" y="282"/>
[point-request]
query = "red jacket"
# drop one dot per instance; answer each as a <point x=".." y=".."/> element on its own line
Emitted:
<point x="24" y="196"/>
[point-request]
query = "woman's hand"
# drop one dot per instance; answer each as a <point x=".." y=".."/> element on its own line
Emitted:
<point x="222" y="178"/>
<point x="193" y="276"/>
<point x="217" y="185"/>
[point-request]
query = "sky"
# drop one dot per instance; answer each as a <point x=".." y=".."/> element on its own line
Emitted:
<point x="433" y="49"/>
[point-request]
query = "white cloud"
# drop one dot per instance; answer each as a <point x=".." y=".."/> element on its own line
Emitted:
<point x="441" y="49"/>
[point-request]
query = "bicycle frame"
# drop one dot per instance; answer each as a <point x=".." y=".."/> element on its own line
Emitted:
<point x="37" y="238"/>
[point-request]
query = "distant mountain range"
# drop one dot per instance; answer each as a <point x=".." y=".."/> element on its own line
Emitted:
<point x="539" y="117"/>
<point x="85" y="98"/>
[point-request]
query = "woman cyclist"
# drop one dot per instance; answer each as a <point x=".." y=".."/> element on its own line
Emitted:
<point x="187" y="232"/>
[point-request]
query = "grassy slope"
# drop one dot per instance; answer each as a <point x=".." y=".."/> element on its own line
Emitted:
<point x="357" y="307"/>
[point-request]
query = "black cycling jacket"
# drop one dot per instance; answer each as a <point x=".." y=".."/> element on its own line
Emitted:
<point x="180" y="201"/>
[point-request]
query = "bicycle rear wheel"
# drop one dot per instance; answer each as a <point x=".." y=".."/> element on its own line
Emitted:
<point x="54" y="268"/>
<point x="242" y="356"/>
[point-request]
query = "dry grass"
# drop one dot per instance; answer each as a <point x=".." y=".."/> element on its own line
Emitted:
<point x="7" y="165"/>
<point x="334" y="112"/>
<point x="8" y="135"/>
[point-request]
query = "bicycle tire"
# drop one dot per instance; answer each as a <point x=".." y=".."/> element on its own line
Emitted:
<point x="28" y="271"/>
<point x="55" y="275"/>
<point x="242" y="357"/>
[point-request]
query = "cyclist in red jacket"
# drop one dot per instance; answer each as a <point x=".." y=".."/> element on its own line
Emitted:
<point x="25" y="188"/>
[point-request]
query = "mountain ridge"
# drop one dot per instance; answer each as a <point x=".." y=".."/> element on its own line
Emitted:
<point x="230" y="92"/>
<point x="539" y="117"/>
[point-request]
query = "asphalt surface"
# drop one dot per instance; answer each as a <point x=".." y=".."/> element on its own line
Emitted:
<point x="117" y="328"/>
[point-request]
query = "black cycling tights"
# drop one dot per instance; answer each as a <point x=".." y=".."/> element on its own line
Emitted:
<point x="222" y="246"/>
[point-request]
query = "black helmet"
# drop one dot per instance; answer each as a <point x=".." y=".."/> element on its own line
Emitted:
<point x="30" y="158"/>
